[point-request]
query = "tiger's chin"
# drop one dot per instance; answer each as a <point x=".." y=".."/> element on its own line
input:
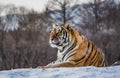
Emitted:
<point x="57" y="46"/>
<point x="53" y="45"/>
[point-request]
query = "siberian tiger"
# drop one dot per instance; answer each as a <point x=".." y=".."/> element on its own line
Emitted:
<point x="74" y="50"/>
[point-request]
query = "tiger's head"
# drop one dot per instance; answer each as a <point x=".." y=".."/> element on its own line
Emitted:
<point x="59" y="35"/>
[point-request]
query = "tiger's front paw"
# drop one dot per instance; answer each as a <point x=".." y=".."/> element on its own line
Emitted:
<point x="43" y="67"/>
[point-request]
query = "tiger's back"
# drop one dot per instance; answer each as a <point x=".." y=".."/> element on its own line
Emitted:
<point x="89" y="56"/>
<point x="74" y="50"/>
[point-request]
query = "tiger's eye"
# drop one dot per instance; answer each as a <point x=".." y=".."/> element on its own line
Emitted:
<point x="59" y="33"/>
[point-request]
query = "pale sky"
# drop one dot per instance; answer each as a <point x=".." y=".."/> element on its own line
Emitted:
<point x="37" y="5"/>
<point x="32" y="4"/>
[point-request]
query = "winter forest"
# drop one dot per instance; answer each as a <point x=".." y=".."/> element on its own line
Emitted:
<point x="24" y="33"/>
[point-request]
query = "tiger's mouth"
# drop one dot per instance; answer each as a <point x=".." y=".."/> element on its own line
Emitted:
<point x="55" y="43"/>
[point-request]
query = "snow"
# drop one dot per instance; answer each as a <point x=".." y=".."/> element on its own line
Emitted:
<point x="77" y="72"/>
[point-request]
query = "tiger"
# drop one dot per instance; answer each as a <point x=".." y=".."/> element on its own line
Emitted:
<point x="74" y="49"/>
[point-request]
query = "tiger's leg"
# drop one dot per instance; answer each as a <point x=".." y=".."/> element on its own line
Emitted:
<point x="62" y="64"/>
<point x="48" y="66"/>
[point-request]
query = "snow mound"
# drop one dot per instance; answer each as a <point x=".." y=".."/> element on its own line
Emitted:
<point x="77" y="72"/>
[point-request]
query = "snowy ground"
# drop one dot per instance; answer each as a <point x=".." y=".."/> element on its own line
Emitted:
<point x="81" y="72"/>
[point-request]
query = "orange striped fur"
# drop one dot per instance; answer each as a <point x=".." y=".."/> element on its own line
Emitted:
<point x="74" y="50"/>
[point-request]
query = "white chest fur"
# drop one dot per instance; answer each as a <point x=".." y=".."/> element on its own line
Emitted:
<point x="59" y="55"/>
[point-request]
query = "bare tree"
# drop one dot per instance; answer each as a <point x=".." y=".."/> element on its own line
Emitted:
<point x="62" y="8"/>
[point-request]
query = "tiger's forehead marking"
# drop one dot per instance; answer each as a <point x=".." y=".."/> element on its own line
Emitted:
<point x="58" y="28"/>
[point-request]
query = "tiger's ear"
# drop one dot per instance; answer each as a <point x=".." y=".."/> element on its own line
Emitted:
<point x="54" y="25"/>
<point x="67" y="26"/>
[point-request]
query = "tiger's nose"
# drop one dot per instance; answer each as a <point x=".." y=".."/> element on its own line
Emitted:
<point x="55" y="41"/>
<point x="52" y="39"/>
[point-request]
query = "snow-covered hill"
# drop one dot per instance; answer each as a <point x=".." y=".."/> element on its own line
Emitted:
<point x="11" y="16"/>
<point x="81" y="72"/>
